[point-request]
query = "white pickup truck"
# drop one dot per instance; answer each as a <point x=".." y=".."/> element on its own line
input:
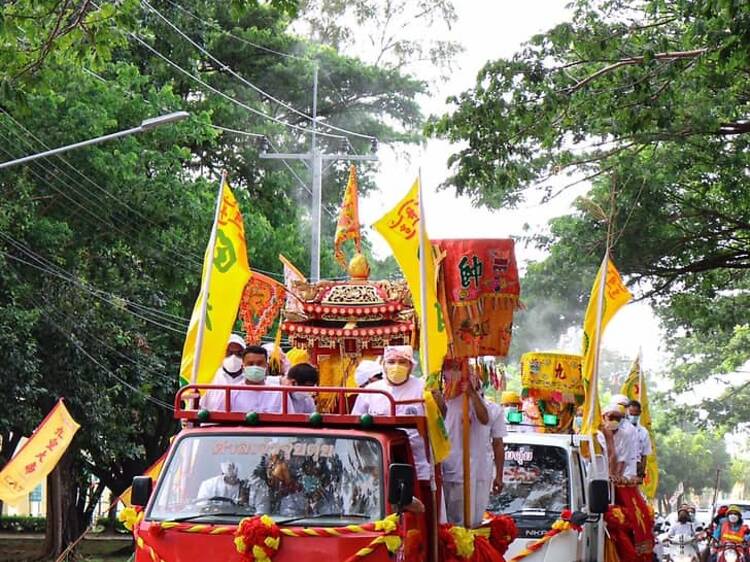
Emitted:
<point x="544" y="474"/>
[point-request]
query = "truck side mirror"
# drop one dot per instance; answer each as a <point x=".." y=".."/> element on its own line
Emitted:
<point x="598" y="496"/>
<point x="400" y="485"/>
<point x="141" y="490"/>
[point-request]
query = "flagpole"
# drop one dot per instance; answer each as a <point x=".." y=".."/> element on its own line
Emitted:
<point x="207" y="283"/>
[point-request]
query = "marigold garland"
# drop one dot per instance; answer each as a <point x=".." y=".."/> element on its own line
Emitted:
<point x="485" y="544"/>
<point x="257" y="538"/>
<point x="562" y="525"/>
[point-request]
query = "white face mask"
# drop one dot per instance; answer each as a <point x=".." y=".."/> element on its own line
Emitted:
<point x="734" y="518"/>
<point x="232" y="364"/>
<point x="613" y="425"/>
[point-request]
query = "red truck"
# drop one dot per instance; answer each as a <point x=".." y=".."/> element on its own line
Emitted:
<point x="325" y="471"/>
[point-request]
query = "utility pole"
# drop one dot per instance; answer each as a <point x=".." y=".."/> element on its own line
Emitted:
<point x="316" y="158"/>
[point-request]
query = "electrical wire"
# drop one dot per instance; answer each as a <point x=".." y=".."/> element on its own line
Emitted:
<point x="223" y="66"/>
<point x="227" y="97"/>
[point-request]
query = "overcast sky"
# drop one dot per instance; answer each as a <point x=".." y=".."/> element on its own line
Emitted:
<point x="488" y="30"/>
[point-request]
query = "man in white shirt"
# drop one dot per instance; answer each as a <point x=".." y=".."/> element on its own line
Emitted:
<point x="398" y="362"/>
<point x="230" y="373"/>
<point x="618" y="443"/>
<point x="255" y="360"/>
<point x="226" y="485"/>
<point x="302" y="374"/>
<point x="627" y="428"/>
<point x="367" y="372"/>
<point x="643" y="440"/>
<point x="482" y="470"/>
<point x="498" y="431"/>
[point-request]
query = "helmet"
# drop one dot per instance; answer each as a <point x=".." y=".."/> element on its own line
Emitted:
<point x="734" y="509"/>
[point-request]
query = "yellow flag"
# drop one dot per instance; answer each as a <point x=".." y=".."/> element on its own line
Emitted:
<point x="601" y="308"/>
<point x="635" y="388"/>
<point x="39" y="455"/>
<point x="348" y="224"/>
<point x="226" y="259"/>
<point x="153" y="471"/>
<point x="402" y="228"/>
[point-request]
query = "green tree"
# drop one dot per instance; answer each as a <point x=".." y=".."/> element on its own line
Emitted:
<point x="101" y="251"/>
<point x="648" y="102"/>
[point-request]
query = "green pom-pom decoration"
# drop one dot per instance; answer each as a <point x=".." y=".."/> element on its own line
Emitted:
<point x="252" y="418"/>
<point x="203" y="415"/>
<point x="316" y="418"/>
<point x="365" y="420"/>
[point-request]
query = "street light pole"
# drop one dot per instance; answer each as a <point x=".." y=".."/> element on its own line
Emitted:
<point x="146" y="125"/>
<point x="315" y="157"/>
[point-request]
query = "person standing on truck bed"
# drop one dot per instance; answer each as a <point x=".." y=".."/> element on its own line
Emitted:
<point x="255" y="361"/>
<point x="230" y="373"/>
<point x="643" y="439"/>
<point x="481" y="475"/>
<point x="619" y="444"/>
<point x="398" y="362"/>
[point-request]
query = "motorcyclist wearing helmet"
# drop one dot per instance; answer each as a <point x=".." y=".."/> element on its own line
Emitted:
<point x="732" y="529"/>
<point x="684" y="525"/>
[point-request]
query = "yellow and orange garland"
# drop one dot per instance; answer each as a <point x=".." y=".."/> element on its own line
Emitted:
<point x="258" y="538"/>
<point x="560" y="526"/>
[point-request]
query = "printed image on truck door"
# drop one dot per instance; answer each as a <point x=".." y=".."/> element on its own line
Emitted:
<point x="537" y="487"/>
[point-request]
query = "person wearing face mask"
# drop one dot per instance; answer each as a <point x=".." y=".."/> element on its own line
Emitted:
<point x="255" y="362"/>
<point x="627" y="428"/>
<point x="684" y="525"/>
<point x="479" y="440"/>
<point x="643" y="440"/>
<point x="398" y="362"/>
<point x="618" y="443"/>
<point x="230" y="373"/>
<point x="302" y="374"/>
<point x="733" y="529"/>
<point x="226" y="485"/>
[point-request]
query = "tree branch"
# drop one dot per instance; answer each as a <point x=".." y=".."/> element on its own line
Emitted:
<point x="668" y="56"/>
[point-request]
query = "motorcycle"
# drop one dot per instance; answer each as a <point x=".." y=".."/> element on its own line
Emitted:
<point x="681" y="548"/>
<point x="730" y="552"/>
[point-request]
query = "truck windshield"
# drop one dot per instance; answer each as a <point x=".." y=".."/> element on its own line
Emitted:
<point x="333" y="479"/>
<point x="535" y="478"/>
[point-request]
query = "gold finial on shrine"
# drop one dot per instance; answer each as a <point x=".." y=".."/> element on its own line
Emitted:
<point x="359" y="269"/>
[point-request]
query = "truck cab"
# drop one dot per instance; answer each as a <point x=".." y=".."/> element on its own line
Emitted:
<point x="302" y="470"/>
<point x="544" y="474"/>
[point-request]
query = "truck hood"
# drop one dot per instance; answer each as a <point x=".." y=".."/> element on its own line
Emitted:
<point x="178" y="546"/>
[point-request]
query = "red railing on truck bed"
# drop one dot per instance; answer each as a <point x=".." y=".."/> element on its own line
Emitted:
<point x="186" y="406"/>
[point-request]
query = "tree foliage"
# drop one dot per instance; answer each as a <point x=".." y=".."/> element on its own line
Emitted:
<point x="647" y="101"/>
<point x="101" y="250"/>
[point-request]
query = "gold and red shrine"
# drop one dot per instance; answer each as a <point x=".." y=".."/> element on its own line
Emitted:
<point x="349" y="319"/>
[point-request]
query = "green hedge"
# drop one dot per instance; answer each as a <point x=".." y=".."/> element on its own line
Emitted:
<point x="22" y="524"/>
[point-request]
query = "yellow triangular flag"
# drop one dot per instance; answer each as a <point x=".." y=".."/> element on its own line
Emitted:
<point x="348" y="224"/>
<point x="601" y="308"/>
<point x="226" y="259"/>
<point x="402" y="227"/>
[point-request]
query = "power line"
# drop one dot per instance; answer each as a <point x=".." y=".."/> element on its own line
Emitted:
<point x="223" y="66"/>
<point x="222" y="94"/>
<point x="238" y="38"/>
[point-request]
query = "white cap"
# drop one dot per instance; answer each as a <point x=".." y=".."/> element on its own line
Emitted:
<point x="621" y="399"/>
<point x="236" y="338"/>
<point x="366" y="370"/>
<point x="612" y="407"/>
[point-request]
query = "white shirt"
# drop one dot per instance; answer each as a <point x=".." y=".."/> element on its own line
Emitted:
<point x="682" y="529"/>
<point x="644" y="442"/>
<point x="303" y="402"/>
<point x="479" y="443"/>
<point x="624" y="448"/>
<point x="213" y="400"/>
<point x="217" y="487"/>
<point x="259" y="401"/>
<point x="379" y="405"/>
<point x="497" y="431"/>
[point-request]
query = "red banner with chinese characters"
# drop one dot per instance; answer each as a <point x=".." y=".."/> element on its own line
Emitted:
<point x="479" y="288"/>
<point x="261" y="303"/>
<point x="39" y="455"/>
